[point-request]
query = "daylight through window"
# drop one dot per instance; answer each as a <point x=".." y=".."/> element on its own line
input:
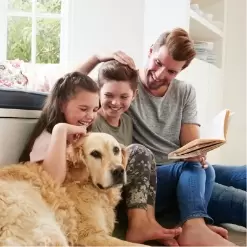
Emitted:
<point x="34" y="30"/>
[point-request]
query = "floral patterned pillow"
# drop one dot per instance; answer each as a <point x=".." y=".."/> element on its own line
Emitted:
<point x="11" y="74"/>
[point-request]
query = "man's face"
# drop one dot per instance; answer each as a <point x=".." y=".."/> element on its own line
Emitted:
<point x="161" y="69"/>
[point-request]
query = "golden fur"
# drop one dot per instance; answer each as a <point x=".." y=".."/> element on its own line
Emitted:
<point x="34" y="210"/>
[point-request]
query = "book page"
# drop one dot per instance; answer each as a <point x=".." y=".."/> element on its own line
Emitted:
<point x="195" y="143"/>
<point x="195" y="153"/>
<point x="217" y="127"/>
<point x="199" y="146"/>
<point x="213" y="135"/>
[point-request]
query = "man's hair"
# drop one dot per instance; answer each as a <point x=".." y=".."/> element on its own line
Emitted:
<point x="180" y="46"/>
<point x="114" y="70"/>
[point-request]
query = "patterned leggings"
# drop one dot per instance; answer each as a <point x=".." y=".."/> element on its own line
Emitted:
<point x="140" y="189"/>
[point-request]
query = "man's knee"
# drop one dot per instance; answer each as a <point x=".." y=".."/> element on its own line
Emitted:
<point x="210" y="172"/>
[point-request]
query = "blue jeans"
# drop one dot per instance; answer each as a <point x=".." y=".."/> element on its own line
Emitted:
<point x="234" y="176"/>
<point x="228" y="201"/>
<point x="187" y="185"/>
<point x="193" y="189"/>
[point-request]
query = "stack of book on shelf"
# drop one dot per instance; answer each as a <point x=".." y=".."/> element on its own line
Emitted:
<point x="204" y="51"/>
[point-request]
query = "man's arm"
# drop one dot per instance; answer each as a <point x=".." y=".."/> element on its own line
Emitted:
<point x="89" y="65"/>
<point x="188" y="133"/>
<point x="189" y="126"/>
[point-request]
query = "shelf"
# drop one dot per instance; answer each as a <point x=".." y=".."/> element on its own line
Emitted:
<point x="198" y="69"/>
<point x="202" y="29"/>
<point x="205" y="3"/>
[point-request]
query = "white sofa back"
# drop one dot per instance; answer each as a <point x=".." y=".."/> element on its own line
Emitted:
<point x="19" y="112"/>
<point x="16" y="126"/>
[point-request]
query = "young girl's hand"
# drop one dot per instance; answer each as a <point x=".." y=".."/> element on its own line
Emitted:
<point x="72" y="131"/>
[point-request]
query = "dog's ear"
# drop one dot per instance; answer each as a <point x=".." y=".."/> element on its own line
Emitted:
<point x="125" y="155"/>
<point x="78" y="142"/>
<point x="75" y="152"/>
<point x="75" y="156"/>
<point x="77" y="167"/>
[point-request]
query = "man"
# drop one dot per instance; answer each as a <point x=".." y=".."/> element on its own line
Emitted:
<point x="164" y="116"/>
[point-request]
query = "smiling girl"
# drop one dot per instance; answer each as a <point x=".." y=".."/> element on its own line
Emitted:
<point x="70" y="109"/>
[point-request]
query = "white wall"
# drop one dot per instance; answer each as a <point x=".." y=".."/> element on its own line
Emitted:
<point x="161" y="16"/>
<point x="106" y="25"/>
<point x="234" y="83"/>
<point x="131" y="26"/>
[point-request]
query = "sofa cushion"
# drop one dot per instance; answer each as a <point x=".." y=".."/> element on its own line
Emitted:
<point x="19" y="112"/>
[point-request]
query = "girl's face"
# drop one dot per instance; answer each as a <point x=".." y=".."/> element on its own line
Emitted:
<point x="116" y="97"/>
<point x="82" y="108"/>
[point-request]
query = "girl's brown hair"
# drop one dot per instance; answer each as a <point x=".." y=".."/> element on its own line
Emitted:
<point x="64" y="89"/>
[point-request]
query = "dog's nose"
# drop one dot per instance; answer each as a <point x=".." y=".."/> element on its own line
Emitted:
<point x="118" y="172"/>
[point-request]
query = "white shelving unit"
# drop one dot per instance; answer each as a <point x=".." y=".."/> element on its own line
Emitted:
<point x="202" y="29"/>
<point x="204" y="19"/>
<point x="207" y="23"/>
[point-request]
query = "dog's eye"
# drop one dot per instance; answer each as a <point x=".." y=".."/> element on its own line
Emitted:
<point x="96" y="154"/>
<point x="116" y="150"/>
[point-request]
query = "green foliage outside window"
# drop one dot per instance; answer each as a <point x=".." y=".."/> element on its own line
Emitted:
<point x="47" y="32"/>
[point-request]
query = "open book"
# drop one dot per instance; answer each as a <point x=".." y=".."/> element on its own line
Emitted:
<point x="213" y="136"/>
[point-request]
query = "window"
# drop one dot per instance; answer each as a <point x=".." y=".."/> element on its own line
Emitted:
<point x="35" y="30"/>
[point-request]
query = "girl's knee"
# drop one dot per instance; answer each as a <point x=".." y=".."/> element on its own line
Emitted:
<point x="139" y="149"/>
<point x="140" y="152"/>
<point x="140" y="158"/>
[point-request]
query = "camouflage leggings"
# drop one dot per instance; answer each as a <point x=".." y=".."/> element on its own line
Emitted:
<point x="140" y="189"/>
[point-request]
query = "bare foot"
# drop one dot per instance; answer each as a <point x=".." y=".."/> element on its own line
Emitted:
<point x="219" y="230"/>
<point x="167" y="241"/>
<point x="145" y="230"/>
<point x="199" y="234"/>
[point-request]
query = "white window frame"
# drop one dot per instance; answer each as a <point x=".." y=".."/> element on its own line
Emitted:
<point x="63" y="17"/>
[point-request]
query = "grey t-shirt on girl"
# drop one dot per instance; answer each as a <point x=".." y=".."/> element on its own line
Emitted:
<point x="123" y="133"/>
<point x="157" y="120"/>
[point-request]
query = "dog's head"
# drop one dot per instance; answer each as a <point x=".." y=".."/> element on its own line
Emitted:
<point x="98" y="157"/>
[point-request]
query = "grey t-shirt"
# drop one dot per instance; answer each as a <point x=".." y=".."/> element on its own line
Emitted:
<point x="157" y="121"/>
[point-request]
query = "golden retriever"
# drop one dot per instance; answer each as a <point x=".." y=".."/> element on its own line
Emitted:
<point x="36" y="211"/>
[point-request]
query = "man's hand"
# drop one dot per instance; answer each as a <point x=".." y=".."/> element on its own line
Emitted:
<point x="93" y="61"/>
<point x="120" y="56"/>
<point x="202" y="159"/>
